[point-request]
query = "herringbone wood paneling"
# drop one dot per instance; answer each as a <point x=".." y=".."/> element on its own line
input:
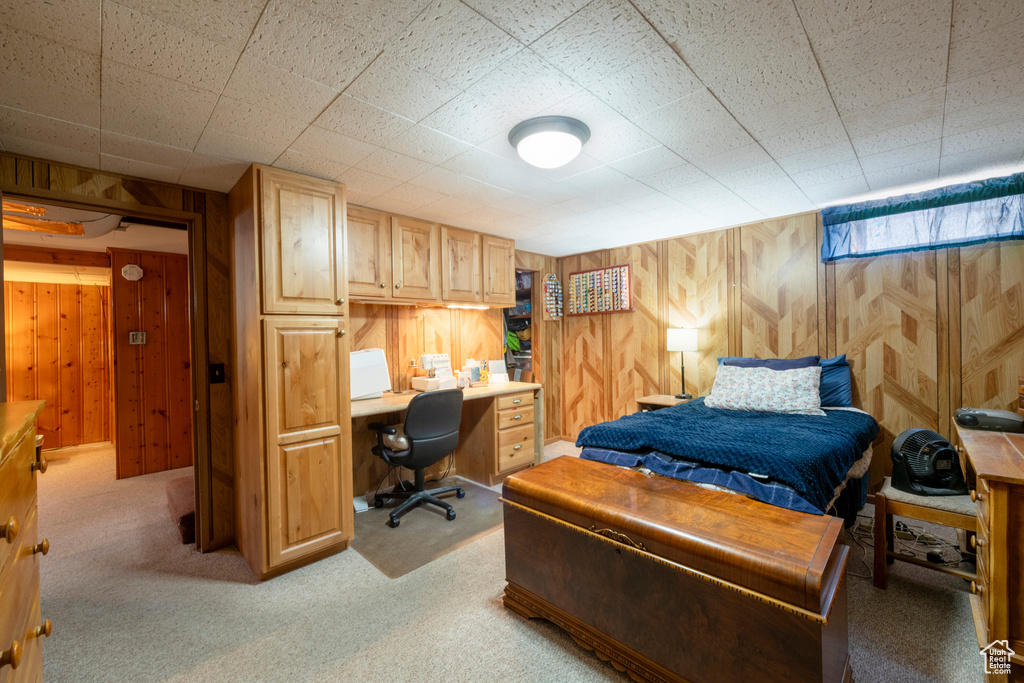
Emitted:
<point x="634" y="343"/>
<point x="583" y="369"/>
<point x="476" y="335"/>
<point x="992" y="323"/>
<point x="886" y="325"/>
<point x="778" y="280"/>
<point x="697" y="295"/>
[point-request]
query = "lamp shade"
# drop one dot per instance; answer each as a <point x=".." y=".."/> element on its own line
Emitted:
<point x="681" y="339"/>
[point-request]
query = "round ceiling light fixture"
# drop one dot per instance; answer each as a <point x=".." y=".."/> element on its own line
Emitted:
<point x="549" y="141"/>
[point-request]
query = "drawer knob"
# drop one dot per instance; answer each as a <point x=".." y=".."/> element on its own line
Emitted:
<point x="11" y="657"/>
<point x="40" y="465"/>
<point x="517" y="447"/>
<point x="975" y="496"/>
<point x="43" y="547"/>
<point x="44" y="630"/>
<point x="341" y="333"/>
<point x="517" y="416"/>
<point x="517" y="401"/>
<point x="11" y="530"/>
<point x="398" y="285"/>
<point x="976" y="589"/>
<point x="382" y="285"/>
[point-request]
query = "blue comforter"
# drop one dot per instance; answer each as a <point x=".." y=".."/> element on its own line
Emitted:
<point x="809" y="453"/>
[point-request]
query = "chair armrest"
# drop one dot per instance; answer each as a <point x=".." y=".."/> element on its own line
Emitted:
<point x="381" y="428"/>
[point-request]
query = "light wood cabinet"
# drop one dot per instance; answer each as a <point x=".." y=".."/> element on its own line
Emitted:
<point x="414" y="259"/>
<point x="368" y="254"/>
<point x="508" y="429"/>
<point x="460" y="265"/>
<point x="293" y="475"/>
<point x="499" y="271"/>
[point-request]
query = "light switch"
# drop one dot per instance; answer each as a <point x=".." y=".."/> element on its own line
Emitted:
<point x="136" y="338"/>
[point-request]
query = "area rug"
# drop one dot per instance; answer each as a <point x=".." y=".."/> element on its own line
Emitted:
<point x="424" y="534"/>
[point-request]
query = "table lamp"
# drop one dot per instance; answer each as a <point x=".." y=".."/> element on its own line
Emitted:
<point x="682" y="339"/>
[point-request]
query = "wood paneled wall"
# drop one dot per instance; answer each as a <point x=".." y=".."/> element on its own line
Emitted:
<point x="210" y="251"/>
<point x="925" y="332"/>
<point x="56" y="351"/>
<point x="153" y="385"/>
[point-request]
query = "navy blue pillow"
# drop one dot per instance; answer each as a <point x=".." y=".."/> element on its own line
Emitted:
<point x="770" y="363"/>
<point x="836" y="387"/>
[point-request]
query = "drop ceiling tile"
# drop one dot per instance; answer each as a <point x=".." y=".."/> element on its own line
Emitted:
<point x="517" y="205"/>
<point x="828" y="174"/>
<point x="15" y="123"/>
<point x="75" y="23"/>
<point x="677" y="176"/>
<point x="918" y="74"/>
<point x="901" y="136"/>
<point x="212" y="173"/>
<point x="141" y="105"/>
<point x="263" y="121"/>
<point x="41" y="149"/>
<point x="392" y="165"/>
<point x="756" y="174"/>
<point x="972" y="17"/>
<point x="313" y="165"/>
<point x="223" y="144"/>
<point x="816" y="158"/>
<point x="648" y="162"/>
<point x="706" y="191"/>
<point x="368" y="183"/>
<point x="81" y="106"/>
<point x="140" y="41"/>
<point x="414" y="194"/>
<point x="524" y="85"/>
<point x="135" y="149"/>
<point x="987" y="51"/>
<point x="777" y="197"/>
<point x="652" y="81"/>
<point x="454" y="43"/>
<point x="826" y="20"/>
<point x="599" y="180"/>
<point x="362" y="121"/>
<point x="392" y="205"/>
<point x="695" y="127"/>
<point x="1010" y="134"/>
<point x="992" y="113"/>
<point x="628" y="190"/>
<point x="485" y="194"/>
<point x="695" y="23"/>
<point x="902" y="156"/>
<point x="394" y="86"/>
<point x="737" y="159"/>
<point x="613" y="144"/>
<point x="589" y="109"/>
<point x="848" y="189"/>
<point x="488" y="168"/>
<point x="228" y="22"/>
<point x="805" y="138"/>
<point x="597" y="41"/>
<point x="442" y="180"/>
<point x="991" y="86"/>
<point x="515" y="227"/>
<point x="892" y="178"/>
<point x="451" y="206"/>
<point x="584" y="163"/>
<point x="335" y="147"/>
<point x="733" y="213"/>
<point x="483" y="216"/>
<point x="864" y="120"/>
<point x="527" y="20"/>
<point x="998" y="160"/>
<point x="471" y="119"/>
<point x="139" y="169"/>
<point x="654" y="201"/>
<point x="259" y="82"/>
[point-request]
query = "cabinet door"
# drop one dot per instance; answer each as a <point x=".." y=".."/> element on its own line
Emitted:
<point x="303" y="246"/>
<point x="460" y="265"/>
<point x="499" y="271"/>
<point x="368" y="254"/>
<point x="414" y="259"/>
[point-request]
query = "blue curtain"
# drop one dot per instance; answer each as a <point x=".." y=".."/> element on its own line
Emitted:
<point x="957" y="215"/>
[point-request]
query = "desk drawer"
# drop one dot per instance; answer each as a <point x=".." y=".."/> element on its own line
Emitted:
<point x="17" y="491"/>
<point x="515" y="400"/>
<point x="515" y="448"/>
<point x="515" y="418"/>
<point x="19" y="586"/>
<point x="982" y="496"/>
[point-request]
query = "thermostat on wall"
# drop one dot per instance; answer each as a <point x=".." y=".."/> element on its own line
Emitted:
<point x="132" y="272"/>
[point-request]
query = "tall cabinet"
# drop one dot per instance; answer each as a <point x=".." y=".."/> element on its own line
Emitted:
<point x="293" y="428"/>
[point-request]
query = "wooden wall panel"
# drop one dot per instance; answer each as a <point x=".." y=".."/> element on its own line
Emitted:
<point x="56" y="350"/>
<point x="584" y="379"/>
<point x="635" y="341"/>
<point x="886" y="324"/>
<point x="547" y="346"/>
<point x="153" y="389"/>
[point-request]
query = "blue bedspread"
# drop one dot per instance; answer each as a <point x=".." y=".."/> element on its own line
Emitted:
<point x="809" y="453"/>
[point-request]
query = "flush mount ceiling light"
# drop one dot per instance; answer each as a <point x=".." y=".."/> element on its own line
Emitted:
<point x="549" y="141"/>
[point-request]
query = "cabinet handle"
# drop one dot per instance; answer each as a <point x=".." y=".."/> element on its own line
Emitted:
<point x="42" y="547"/>
<point x="284" y="365"/>
<point x="398" y="285"/>
<point x="517" y="417"/>
<point x="517" y="401"/>
<point x="341" y="301"/>
<point x="11" y="530"/>
<point x="44" y="629"/>
<point x="975" y="496"/>
<point x="976" y="542"/>
<point x="976" y="589"/>
<point x="341" y="333"/>
<point x="517" y="447"/>
<point x="11" y="657"/>
<point x="487" y="293"/>
<point x="40" y="465"/>
<point x="382" y="285"/>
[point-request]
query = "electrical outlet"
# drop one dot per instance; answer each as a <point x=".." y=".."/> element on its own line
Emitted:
<point x="136" y="338"/>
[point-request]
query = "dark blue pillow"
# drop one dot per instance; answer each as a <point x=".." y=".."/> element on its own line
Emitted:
<point x="770" y="363"/>
<point x="836" y="388"/>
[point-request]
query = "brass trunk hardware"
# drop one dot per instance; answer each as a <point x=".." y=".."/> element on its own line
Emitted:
<point x="617" y="537"/>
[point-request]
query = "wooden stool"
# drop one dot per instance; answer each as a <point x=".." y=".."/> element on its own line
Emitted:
<point x="958" y="512"/>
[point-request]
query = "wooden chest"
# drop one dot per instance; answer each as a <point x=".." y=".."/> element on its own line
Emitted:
<point x="674" y="582"/>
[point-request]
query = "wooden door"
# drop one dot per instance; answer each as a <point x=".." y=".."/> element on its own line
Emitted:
<point x="309" y="470"/>
<point x="499" y="271"/>
<point x="460" y="265"/>
<point x="414" y="259"/>
<point x="368" y="254"/>
<point x="303" y="246"/>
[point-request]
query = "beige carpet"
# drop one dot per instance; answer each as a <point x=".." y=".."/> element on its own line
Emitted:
<point x="131" y="603"/>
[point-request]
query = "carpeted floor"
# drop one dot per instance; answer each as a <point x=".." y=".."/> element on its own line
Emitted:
<point x="129" y="602"/>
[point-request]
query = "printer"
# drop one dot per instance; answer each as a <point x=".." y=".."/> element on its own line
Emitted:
<point x="439" y="373"/>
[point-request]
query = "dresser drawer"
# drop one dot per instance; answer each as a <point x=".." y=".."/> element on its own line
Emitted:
<point x="19" y="587"/>
<point x="515" y="417"/>
<point x="515" y="400"/>
<point x="31" y="668"/>
<point x="17" y="491"/>
<point x="515" y="448"/>
<point x="982" y="494"/>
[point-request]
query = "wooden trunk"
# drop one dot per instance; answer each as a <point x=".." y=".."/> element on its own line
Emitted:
<point x="675" y="582"/>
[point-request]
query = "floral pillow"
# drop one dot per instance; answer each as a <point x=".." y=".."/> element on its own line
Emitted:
<point x="768" y="391"/>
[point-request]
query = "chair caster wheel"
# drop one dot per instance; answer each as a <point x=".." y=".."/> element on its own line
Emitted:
<point x="393" y="522"/>
<point x="459" y="493"/>
<point x="378" y="502"/>
<point x="450" y="515"/>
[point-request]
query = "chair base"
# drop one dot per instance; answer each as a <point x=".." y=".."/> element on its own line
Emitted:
<point x="415" y="498"/>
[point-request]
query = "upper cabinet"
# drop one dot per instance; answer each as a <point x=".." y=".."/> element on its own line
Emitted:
<point x="499" y="271"/>
<point x="460" y="265"/>
<point x="414" y="259"/>
<point x="302" y="229"/>
<point x="369" y="254"/>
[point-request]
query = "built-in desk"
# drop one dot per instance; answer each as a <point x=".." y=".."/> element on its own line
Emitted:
<point x="502" y="431"/>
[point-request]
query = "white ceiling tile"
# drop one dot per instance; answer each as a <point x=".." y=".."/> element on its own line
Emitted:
<point x="648" y="162"/>
<point x="971" y="17"/>
<point x="354" y="198"/>
<point x="654" y="201"/>
<point x="79" y="106"/>
<point x="484" y="216"/>
<point x="223" y="144"/>
<point x="454" y="43"/>
<point x="652" y="81"/>
<point x="524" y="85"/>
<point x="816" y="158"/>
<point x="442" y="180"/>
<point x="41" y="149"/>
<point x="589" y="109"/>
<point x="527" y="20"/>
<point x="15" y="123"/>
<point x="806" y="137"/>
<point x="414" y="194"/>
<point x="612" y="144"/>
<point x="365" y="182"/>
<point x="392" y="165"/>
<point x="991" y="86"/>
<point x="828" y="174"/>
<point x="228" y="22"/>
<point x="262" y="121"/>
<point x="326" y="144"/>
<point x="259" y="82"/>
<point x="734" y="160"/>
<point x="826" y="20"/>
<point x="695" y="23"/>
<point x="1009" y="134"/>
<point x="139" y="169"/>
<point x="600" y="39"/>
<point x="1003" y="111"/>
<point x="488" y="168"/>
<point x="514" y="227"/>
<point x="866" y="120"/>
<point x="392" y="205"/>
<point x="397" y="87"/>
<point x="212" y="173"/>
<point x="75" y="23"/>
<point x="452" y="206"/>
<point x="987" y="51"/>
<point x="903" y="175"/>
<point x="837" y="191"/>
<point x="313" y="165"/>
<point x="517" y="205"/>
<point x="875" y="88"/>
<point x="362" y="121"/>
<point x="756" y="174"/>
<point x="584" y="163"/>
<point x="677" y="176"/>
<point x="901" y="136"/>
<point x="777" y="197"/>
<point x="998" y="160"/>
<point x="140" y="41"/>
<point x="471" y="119"/>
<point x="485" y="194"/>
<point x="135" y="149"/>
<point x="902" y="156"/>
<point x="695" y="126"/>
<point x="600" y="180"/>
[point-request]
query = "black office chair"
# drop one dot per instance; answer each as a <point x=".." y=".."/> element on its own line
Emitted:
<point x="432" y="428"/>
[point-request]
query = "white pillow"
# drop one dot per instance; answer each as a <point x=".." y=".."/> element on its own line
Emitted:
<point x="768" y="391"/>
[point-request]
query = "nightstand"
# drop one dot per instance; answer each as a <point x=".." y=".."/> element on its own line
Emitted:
<point x="658" y="401"/>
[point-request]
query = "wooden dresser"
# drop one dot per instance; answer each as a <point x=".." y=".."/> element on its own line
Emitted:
<point x="993" y="464"/>
<point x="21" y="624"/>
<point x="507" y="429"/>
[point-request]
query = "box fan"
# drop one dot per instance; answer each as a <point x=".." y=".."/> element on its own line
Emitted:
<point x="926" y="464"/>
